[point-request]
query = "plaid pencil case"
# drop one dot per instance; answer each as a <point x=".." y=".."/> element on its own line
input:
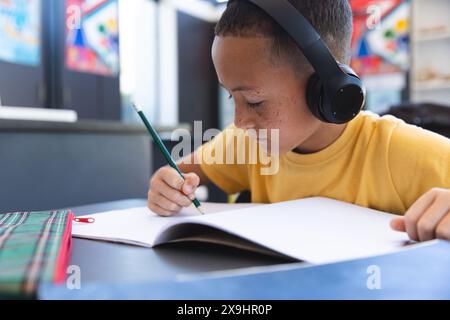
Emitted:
<point x="34" y="249"/>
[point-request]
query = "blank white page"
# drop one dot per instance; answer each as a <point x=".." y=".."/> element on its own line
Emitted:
<point x="316" y="230"/>
<point x="139" y="225"/>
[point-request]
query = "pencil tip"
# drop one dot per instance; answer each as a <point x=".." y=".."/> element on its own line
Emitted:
<point x="199" y="208"/>
<point x="136" y="107"/>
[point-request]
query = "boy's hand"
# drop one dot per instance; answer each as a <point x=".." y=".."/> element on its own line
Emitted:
<point x="428" y="217"/>
<point x="169" y="192"/>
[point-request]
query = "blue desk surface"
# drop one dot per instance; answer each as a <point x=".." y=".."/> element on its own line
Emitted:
<point x="416" y="273"/>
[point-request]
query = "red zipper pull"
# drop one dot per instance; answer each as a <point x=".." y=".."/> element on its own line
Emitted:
<point x="84" y="220"/>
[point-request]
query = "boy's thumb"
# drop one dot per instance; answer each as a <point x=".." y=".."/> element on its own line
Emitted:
<point x="191" y="183"/>
<point x="398" y="224"/>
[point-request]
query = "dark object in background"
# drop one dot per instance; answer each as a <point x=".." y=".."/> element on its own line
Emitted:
<point x="244" y="197"/>
<point x="430" y="116"/>
<point x="197" y="79"/>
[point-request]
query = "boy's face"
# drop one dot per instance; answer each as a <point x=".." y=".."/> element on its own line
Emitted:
<point x="266" y="95"/>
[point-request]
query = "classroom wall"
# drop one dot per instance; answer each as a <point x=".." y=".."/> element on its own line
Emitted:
<point x="50" y="84"/>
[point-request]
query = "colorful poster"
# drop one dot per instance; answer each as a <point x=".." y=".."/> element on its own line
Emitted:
<point x="20" y="31"/>
<point x="380" y="42"/>
<point x="92" y="42"/>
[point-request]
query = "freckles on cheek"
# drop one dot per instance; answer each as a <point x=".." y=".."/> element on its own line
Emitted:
<point x="273" y="117"/>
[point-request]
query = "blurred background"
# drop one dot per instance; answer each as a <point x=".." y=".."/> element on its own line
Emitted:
<point x="70" y="69"/>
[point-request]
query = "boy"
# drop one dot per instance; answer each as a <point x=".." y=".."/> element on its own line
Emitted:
<point x="372" y="161"/>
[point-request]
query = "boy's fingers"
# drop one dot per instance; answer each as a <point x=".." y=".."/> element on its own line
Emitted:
<point x="172" y="178"/>
<point x="158" y="210"/>
<point x="191" y="183"/>
<point x="414" y="213"/>
<point x="398" y="224"/>
<point x="443" y="228"/>
<point x="154" y="207"/>
<point x="164" y="203"/>
<point x="171" y="194"/>
<point x="428" y="222"/>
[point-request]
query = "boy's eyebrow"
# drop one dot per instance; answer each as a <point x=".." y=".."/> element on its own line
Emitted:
<point x="240" y="88"/>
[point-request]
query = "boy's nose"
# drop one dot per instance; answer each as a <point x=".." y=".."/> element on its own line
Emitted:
<point x="242" y="119"/>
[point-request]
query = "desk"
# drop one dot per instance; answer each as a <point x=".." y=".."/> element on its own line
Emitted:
<point x="115" y="271"/>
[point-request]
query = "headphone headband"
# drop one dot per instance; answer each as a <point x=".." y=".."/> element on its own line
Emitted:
<point x="304" y="35"/>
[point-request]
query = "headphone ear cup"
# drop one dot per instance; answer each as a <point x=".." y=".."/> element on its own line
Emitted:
<point x="314" y="96"/>
<point x="343" y="108"/>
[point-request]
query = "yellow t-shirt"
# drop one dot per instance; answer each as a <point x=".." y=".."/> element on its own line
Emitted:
<point x="377" y="162"/>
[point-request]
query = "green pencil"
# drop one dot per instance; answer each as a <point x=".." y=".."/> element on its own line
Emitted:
<point x="164" y="150"/>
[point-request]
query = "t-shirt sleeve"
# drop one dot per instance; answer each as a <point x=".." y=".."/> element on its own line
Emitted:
<point x="419" y="161"/>
<point x="222" y="160"/>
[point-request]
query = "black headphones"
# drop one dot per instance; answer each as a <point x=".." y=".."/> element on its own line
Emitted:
<point x="335" y="93"/>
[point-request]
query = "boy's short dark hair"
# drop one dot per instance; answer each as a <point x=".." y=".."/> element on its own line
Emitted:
<point x="331" y="18"/>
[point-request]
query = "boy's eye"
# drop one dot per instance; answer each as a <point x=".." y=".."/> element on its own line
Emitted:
<point x="254" y="105"/>
<point x="249" y="104"/>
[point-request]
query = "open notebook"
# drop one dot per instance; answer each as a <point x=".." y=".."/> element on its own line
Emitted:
<point x="316" y="230"/>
